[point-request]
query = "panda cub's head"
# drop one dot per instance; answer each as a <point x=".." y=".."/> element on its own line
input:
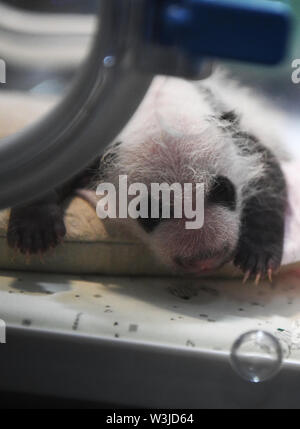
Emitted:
<point x="176" y="136"/>
<point x="209" y="158"/>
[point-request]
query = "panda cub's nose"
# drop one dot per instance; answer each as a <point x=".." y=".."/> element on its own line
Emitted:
<point x="195" y="264"/>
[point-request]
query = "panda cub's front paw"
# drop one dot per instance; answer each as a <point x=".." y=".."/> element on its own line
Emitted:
<point x="35" y="229"/>
<point x="258" y="260"/>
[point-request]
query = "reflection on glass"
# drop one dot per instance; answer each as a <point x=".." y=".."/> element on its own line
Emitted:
<point x="256" y="356"/>
<point x="42" y="45"/>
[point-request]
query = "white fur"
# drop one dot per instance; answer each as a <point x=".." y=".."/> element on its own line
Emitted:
<point x="176" y="136"/>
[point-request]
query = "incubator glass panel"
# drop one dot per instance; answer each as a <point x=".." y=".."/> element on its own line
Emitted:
<point x="42" y="46"/>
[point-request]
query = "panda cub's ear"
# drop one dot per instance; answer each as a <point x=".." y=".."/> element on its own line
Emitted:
<point x="109" y="157"/>
<point x="223" y="192"/>
<point x="231" y="117"/>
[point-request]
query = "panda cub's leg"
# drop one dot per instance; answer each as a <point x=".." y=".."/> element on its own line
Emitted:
<point x="36" y="227"/>
<point x="260" y="246"/>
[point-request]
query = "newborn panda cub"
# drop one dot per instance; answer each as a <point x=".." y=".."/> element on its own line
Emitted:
<point x="214" y="133"/>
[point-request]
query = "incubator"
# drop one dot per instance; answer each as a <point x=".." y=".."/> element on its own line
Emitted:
<point x="100" y="319"/>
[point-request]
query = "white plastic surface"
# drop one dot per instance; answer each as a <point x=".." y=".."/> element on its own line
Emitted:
<point x="207" y="315"/>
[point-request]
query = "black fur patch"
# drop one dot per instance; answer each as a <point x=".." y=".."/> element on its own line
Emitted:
<point x="230" y="116"/>
<point x="37" y="227"/>
<point x="260" y="243"/>
<point x="223" y="192"/>
<point x="150" y="223"/>
<point x="262" y="223"/>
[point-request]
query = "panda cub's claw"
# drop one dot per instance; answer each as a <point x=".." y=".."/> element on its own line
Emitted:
<point x="258" y="265"/>
<point x="270" y="273"/>
<point x="33" y="230"/>
<point x="257" y="279"/>
<point x="246" y="276"/>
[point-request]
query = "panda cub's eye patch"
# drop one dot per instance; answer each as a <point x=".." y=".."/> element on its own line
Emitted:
<point x="150" y="223"/>
<point x="223" y="192"/>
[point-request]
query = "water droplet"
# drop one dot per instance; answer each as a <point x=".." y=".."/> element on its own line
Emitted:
<point x="109" y="61"/>
<point x="256" y="356"/>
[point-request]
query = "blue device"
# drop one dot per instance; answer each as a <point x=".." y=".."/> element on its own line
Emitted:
<point x="247" y="30"/>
